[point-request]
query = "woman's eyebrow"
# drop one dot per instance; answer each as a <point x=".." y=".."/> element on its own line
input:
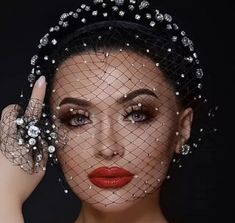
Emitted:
<point x="135" y="93"/>
<point x="76" y="101"/>
<point x="127" y="97"/>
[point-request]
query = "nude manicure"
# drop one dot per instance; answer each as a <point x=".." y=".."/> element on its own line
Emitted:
<point x="41" y="81"/>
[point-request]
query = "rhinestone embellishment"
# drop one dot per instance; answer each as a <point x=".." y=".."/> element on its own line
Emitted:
<point x="33" y="131"/>
<point x="185" y="149"/>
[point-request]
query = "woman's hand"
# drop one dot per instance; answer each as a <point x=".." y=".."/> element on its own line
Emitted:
<point x="16" y="184"/>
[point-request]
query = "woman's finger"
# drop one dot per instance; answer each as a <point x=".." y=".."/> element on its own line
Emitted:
<point x="12" y="109"/>
<point x="8" y="118"/>
<point x="34" y="108"/>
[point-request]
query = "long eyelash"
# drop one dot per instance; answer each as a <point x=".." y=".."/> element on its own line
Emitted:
<point x="65" y="116"/>
<point x="130" y="109"/>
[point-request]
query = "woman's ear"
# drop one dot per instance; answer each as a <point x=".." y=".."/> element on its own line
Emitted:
<point x="184" y="128"/>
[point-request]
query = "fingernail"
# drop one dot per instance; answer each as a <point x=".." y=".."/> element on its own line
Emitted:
<point x="41" y="81"/>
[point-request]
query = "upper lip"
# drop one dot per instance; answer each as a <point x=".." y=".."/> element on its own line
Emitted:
<point x="109" y="172"/>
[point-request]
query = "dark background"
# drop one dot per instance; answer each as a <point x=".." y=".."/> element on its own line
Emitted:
<point x="199" y="192"/>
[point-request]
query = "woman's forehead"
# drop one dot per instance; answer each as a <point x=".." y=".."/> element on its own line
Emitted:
<point x="124" y="67"/>
<point x="100" y="77"/>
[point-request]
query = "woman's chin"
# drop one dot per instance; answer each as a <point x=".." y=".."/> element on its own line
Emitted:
<point x="106" y="200"/>
<point x="111" y="207"/>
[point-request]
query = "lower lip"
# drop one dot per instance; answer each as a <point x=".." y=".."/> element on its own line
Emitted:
<point x="113" y="182"/>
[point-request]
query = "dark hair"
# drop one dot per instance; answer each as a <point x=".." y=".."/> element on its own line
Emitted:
<point x="113" y="35"/>
<point x="97" y="25"/>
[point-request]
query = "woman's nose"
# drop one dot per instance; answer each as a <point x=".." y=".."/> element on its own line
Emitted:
<point x="109" y="143"/>
<point x="109" y="149"/>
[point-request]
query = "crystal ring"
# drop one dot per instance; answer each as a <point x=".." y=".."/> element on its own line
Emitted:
<point x="35" y="136"/>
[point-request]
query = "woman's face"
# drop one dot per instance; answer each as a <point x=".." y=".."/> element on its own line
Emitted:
<point x="118" y="111"/>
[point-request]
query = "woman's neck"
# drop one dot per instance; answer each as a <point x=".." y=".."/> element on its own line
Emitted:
<point x="144" y="210"/>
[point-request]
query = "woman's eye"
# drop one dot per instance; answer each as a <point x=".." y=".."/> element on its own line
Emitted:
<point x="78" y="120"/>
<point x="75" y="120"/>
<point x="137" y="116"/>
<point x="74" y="117"/>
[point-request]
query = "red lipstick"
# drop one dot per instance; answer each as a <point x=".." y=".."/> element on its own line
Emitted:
<point x="114" y="177"/>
